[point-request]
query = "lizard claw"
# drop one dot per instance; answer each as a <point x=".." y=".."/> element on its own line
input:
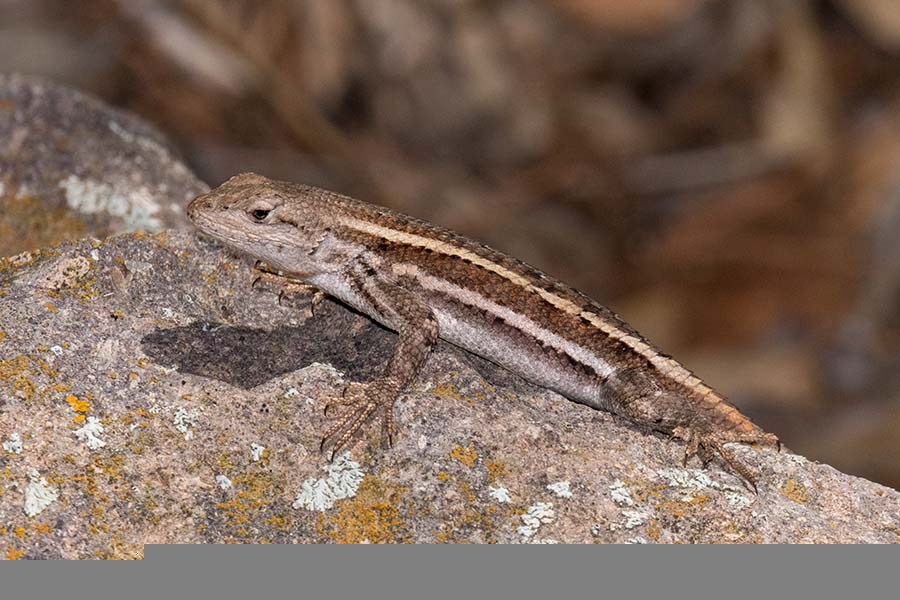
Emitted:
<point x="363" y="400"/>
<point x="705" y="445"/>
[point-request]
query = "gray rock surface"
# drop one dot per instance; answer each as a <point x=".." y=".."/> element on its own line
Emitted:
<point x="71" y="166"/>
<point x="148" y="393"/>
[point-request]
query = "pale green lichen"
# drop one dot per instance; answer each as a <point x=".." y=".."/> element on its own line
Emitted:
<point x="90" y="433"/>
<point x="620" y="494"/>
<point x="38" y="494"/>
<point x="14" y="444"/>
<point x="184" y="420"/>
<point x="342" y="481"/>
<point x="135" y="205"/>
<point x="561" y="489"/>
<point x="256" y="451"/>
<point x="537" y="514"/>
<point x="500" y="494"/>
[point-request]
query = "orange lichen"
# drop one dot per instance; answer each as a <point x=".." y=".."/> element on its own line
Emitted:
<point x="465" y="455"/>
<point x="14" y="553"/>
<point x="49" y="306"/>
<point x="254" y="494"/>
<point x="20" y="371"/>
<point x="496" y="470"/>
<point x="42" y="528"/>
<point x="373" y="515"/>
<point x="78" y="405"/>
<point x="446" y="390"/>
<point x="653" y="530"/>
<point x="795" y="491"/>
<point x="28" y="222"/>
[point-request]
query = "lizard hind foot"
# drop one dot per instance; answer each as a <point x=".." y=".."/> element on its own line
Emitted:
<point x="707" y="445"/>
<point x="362" y="400"/>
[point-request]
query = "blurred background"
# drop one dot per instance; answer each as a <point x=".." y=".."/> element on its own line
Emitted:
<point x="723" y="173"/>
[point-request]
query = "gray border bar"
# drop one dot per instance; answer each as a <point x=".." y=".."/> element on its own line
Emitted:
<point x="469" y="571"/>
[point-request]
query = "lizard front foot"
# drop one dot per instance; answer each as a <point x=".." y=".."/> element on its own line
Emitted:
<point x="362" y="400"/>
<point x="288" y="287"/>
<point x="706" y="444"/>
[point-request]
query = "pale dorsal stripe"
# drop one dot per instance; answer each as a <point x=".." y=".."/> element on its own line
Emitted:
<point x="575" y="351"/>
<point x="666" y="366"/>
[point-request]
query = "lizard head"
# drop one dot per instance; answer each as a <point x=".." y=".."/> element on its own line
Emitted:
<point x="273" y="221"/>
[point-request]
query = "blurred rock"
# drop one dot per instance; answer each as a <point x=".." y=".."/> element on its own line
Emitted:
<point x="71" y="166"/>
<point x="640" y="17"/>
<point x="879" y="19"/>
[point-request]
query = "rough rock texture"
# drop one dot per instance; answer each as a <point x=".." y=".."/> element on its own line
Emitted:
<point x="71" y="166"/>
<point x="149" y="394"/>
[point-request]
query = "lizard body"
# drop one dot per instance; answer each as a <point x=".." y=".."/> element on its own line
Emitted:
<point x="427" y="282"/>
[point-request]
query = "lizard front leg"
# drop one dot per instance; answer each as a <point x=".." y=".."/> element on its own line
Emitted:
<point x="288" y="286"/>
<point x="418" y="329"/>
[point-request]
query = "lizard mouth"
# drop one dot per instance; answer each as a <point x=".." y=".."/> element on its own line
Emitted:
<point x="198" y="207"/>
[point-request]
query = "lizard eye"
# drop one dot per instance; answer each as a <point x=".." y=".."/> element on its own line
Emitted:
<point x="260" y="211"/>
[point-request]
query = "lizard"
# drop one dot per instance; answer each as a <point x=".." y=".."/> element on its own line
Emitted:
<point x="426" y="282"/>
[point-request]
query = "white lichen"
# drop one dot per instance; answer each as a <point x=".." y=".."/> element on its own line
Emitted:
<point x="256" y="451"/>
<point x="696" y="479"/>
<point x="342" y="481"/>
<point x="738" y="500"/>
<point x="223" y="482"/>
<point x="315" y="494"/>
<point x="536" y="515"/>
<point x="546" y="541"/>
<point x="57" y="350"/>
<point x="344" y="476"/>
<point x="620" y="494"/>
<point x="14" y="444"/>
<point x="686" y="478"/>
<point x="633" y="518"/>
<point x="90" y="432"/>
<point x="561" y="489"/>
<point x="500" y="494"/>
<point x="167" y="312"/>
<point x="38" y="494"/>
<point x="185" y="419"/>
<point x="134" y="205"/>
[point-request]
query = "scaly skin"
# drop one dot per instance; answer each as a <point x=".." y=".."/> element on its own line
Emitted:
<point x="426" y="282"/>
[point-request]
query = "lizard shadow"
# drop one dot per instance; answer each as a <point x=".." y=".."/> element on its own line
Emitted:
<point x="246" y="357"/>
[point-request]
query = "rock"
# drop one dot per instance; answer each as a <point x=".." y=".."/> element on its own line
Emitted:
<point x="71" y="166"/>
<point x="157" y="397"/>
